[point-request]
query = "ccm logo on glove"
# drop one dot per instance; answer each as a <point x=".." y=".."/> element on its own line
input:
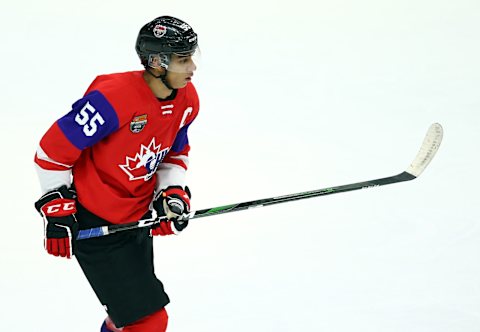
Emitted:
<point x="60" y="207"/>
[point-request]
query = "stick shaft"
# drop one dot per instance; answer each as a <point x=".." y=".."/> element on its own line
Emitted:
<point x="105" y="230"/>
<point x="426" y="153"/>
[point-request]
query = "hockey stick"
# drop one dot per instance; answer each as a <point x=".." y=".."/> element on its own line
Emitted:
<point x="427" y="151"/>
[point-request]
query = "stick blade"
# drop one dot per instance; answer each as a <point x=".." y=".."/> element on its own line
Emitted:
<point x="429" y="148"/>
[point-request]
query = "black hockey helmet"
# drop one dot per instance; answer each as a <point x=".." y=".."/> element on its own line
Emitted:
<point x="162" y="37"/>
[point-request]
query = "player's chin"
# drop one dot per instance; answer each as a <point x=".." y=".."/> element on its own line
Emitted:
<point x="182" y="83"/>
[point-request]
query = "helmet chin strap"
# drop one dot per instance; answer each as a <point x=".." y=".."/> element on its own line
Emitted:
<point x="162" y="77"/>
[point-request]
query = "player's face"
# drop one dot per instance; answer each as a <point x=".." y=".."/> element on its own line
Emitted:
<point x="180" y="70"/>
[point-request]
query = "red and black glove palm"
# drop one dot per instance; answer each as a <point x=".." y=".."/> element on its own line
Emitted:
<point x="174" y="203"/>
<point x="58" y="209"/>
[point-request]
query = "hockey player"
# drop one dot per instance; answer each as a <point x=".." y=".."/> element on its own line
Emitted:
<point x="120" y="155"/>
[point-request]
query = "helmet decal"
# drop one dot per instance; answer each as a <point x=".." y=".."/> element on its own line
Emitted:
<point x="159" y="30"/>
<point x="185" y="26"/>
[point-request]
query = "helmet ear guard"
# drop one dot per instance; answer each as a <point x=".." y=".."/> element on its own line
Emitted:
<point x="158" y="61"/>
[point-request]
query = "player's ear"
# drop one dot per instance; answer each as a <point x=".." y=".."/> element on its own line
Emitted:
<point x="157" y="70"/>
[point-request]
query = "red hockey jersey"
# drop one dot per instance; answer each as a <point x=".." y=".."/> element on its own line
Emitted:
<point x="120" y="143"/>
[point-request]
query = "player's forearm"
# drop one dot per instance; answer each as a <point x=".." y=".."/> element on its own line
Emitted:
<point x="170" y="175"/>
<point x="51" y="172"/>
<point x="50" y="179"/>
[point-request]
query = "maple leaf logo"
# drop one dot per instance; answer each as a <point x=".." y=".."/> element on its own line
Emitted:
<point x="145" y="162"/>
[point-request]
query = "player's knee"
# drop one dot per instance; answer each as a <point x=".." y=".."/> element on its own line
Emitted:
<point x="156" y="322"/>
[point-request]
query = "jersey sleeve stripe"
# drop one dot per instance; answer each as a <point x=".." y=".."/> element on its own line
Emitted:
<point x="42" y="158"/>
<point x="46" y="165"/>
<point x="177" y="160"/>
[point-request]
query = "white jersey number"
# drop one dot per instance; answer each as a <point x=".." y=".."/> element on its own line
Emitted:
<point x="89" y="122"/>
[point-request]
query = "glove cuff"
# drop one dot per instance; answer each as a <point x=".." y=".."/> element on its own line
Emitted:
<point x="57" y="203"/>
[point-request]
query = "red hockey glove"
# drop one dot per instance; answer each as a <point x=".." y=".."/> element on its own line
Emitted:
<point x="57" y="208"/>
<point x="174" y="203"/>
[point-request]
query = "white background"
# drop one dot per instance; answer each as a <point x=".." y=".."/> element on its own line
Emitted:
<point x="294" y="96"/>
